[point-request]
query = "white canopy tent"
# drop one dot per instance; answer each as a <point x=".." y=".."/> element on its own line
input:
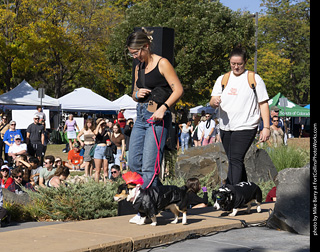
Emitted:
<point x="24" y="94"/>
<point x="199" y="109"/>
<point x="126" y="102"/>
<point x="84" y="99"/>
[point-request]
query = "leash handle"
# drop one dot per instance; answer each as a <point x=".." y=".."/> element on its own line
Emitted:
<point x="157" y="162"/>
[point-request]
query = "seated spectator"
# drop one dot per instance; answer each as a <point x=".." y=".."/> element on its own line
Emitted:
<point x="194" y="201"/>
<point x="5" y="180"/>
<point x="271" y="196"/>
<point x="75" y="161"/>
<point x="8" y="139"/>
<point x="19" y="186"/>
<point x="4" y="217"/>
<point x="21" y="161"/>
<point x="57" y="162"/>
<point x="35" y="170"/>
<point x="47" y="171"/>
<point x="17" y="148"/>
<point x="115" y="172"/>
<point x="59" y="177"/>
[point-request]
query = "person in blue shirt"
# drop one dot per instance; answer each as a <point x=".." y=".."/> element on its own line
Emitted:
<point x="8" y="139"/>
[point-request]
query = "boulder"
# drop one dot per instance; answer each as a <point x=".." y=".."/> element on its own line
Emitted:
<point x="201" y="161"/>
<point x="292" y="208"/>
<point x="15" y="198"/>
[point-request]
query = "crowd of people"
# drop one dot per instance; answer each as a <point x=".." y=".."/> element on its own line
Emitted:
<point x="105" y="145"/>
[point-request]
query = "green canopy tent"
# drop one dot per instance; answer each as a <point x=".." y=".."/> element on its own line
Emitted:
<point x="292" y="109"/>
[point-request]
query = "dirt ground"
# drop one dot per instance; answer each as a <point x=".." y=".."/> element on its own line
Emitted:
<point x="303" y="143"/>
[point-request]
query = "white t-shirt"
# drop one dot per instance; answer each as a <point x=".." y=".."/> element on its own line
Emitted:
<point x="17" y="148"/>
<point x="201" y="127"/>
<point x="211" y="124"/>
<point x="239" y="109"/>
<point x="185" y="129"/>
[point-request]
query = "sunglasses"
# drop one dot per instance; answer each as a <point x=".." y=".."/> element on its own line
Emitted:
<point x="134" y="54"/>
<point x="5" y="170"/>
<point x="18" y="177"/>
<point x="113" y="172"/>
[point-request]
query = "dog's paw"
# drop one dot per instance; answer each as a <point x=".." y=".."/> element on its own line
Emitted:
<point x="232" y="214"/>
<point x="184" y="223"/>
<point x="175" y="221"/>
<point x="259" y="209"/>
<point x="153" y="224"/>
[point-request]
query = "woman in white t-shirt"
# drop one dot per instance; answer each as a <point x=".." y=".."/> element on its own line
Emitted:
<point x="240" y="111"/>
<point x="185" y="135"/>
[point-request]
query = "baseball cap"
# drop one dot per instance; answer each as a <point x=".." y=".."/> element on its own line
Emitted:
<point x="17" y="137"/>
<point x="275" y="108"/>
<point x="5" y="167"/>
<point x="35" y="116"/>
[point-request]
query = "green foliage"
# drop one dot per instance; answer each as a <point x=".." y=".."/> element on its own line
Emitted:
<point x="76" y="202"/>
<point x="288" y="157"/>
<point x="285" y="29"/>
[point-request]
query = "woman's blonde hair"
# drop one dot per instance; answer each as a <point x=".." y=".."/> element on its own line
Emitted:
<point x="139" y="39"/>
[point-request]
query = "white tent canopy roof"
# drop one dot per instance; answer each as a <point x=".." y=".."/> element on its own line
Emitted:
<point x="25" y="94"/>
<point x="125" y="102"/>
<point x="84" y="99"/>
<point x="199" y="109"/>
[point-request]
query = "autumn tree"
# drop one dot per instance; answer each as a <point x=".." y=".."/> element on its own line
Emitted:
<point x="284" y="30"/>
<point x="57" y="44"/>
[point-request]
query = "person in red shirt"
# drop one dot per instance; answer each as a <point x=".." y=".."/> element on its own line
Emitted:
<point x="5" y="179"/>
<point x="121" y="119"/>
<point x="75" y="161"/>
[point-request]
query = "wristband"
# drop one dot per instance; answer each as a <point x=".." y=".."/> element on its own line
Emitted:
<point x="165" y="104"/>
<point x="266" y="128"/>
<point x="137" y="95"/>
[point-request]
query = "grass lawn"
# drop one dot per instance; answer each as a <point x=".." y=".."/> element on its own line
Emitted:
<point x="56" y="151"/>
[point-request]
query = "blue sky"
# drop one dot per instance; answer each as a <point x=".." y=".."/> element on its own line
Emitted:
<point x="247" y="5"/>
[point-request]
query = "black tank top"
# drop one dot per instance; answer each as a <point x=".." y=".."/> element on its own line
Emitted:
<point x="153" y="79"/>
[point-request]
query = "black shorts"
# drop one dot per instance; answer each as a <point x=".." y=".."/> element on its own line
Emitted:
<point x="35" y="150"/>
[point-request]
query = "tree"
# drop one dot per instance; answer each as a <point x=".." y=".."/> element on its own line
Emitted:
<point x="273" y="69"/>
<point x="285" y="30"/>
<point x="205" y="33"/>
<point x="58" y="44"/>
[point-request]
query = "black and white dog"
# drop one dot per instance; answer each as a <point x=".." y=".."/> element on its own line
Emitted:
<point x="149" y="202"/>
<point x="232" y="197"/>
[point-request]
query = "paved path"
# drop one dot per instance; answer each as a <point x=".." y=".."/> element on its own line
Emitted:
<point x="116" y="234"/>
<point x="250" y="239"/>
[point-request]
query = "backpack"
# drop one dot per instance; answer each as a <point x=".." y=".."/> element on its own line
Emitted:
<point x="251" y="81"/>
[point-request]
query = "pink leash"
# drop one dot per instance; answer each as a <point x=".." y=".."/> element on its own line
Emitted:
<point x="157" y="163"/>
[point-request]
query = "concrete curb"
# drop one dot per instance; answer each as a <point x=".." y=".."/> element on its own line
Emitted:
<point x="116" y="234"/>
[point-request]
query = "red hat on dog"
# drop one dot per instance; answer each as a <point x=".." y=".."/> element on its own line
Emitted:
<point x="132" y="178"/>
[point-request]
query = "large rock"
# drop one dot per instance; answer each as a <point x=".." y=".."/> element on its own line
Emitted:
<point x="201" y="161"/>
<point x="15" y="198"/>
<point x="292" y="208"/>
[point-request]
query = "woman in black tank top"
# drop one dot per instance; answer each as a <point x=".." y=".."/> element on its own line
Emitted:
<point x="158" y="72"/>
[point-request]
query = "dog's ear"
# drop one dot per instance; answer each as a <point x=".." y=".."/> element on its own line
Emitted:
<point x="130" y="186"/>
<point x="122" y="187"/>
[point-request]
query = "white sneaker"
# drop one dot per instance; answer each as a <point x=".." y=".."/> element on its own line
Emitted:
<point x="135" y="219"/>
